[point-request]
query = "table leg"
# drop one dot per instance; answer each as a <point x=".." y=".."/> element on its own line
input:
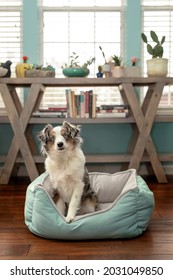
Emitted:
<point x="144" y="122"/>
<point x="19" y="124"/>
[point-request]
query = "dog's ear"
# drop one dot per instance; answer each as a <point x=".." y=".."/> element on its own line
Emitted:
<point x="44" y="135"/>
<point x="70" y="130"/>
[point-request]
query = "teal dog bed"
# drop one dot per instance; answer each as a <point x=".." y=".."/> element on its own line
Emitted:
<point x="125" y="209"/>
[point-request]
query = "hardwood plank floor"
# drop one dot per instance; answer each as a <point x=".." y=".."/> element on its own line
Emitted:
<point x="17" y="242"/>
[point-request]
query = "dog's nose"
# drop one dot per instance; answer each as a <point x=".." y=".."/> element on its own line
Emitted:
<point x="60" y="144"/>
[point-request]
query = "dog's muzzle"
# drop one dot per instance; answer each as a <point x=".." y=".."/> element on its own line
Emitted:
<point x="60" y="145"/>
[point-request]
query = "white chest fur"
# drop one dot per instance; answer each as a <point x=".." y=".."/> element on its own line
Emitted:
<point x="66" y="171"/>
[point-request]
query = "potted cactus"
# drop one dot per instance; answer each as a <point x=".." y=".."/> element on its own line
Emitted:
<point x="157" y="65"/>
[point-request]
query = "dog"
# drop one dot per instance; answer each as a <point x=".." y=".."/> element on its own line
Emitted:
<point x="65" y="164"/>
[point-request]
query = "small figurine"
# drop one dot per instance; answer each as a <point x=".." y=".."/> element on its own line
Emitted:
<point x="99" y="74"/>
<point x="6" y="65"/>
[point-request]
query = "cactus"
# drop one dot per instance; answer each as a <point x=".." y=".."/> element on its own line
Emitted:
<point x="157" y="50"/>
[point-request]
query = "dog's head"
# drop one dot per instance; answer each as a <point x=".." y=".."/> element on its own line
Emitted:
<point x="59" y="138"/>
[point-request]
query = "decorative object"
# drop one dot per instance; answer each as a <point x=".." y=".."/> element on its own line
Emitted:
<point x="100" y="73"/>
<point x="133" y="70"/>
<point x="40" y="71"/>
<point x="125" y="201"/>
<point x="25" y="59"/>
<point x="22" y="67"/>
<point x="106" y="67"/>
<point x="75" y="72"/>
<point x="74" y="69"/>
<point x="117" y="70"/>
<point x="157" y="66"/>
<point x="5" y="69"/>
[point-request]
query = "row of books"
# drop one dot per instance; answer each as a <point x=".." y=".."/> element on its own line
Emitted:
<point x="83" y="105"/>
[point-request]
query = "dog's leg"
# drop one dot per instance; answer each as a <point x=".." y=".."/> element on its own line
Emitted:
<point x="74" y="204"/>
<point x="88" y="206"/>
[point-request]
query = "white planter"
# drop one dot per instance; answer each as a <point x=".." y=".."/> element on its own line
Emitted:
<point x="118" y="71"/>
<point x="157" y="67"/>
<point x="133" y="71"/>
<point x="106" y="68"/>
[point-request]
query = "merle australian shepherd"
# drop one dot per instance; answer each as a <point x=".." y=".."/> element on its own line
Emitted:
<point x="65" y="164"/>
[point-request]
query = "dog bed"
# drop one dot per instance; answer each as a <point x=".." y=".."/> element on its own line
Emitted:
<point x="125" y="209"/>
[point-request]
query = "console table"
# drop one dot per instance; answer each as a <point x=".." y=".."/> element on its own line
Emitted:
<point x="142" y="118"/>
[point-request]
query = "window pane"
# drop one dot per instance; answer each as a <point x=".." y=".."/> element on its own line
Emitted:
<point x="56" y="27"/>
<point x="110" y="27"/>
<point x="81" y="28"/>
<point x="81" y="32"/>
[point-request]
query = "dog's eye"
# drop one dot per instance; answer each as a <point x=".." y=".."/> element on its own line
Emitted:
<point x="65" y="134"/>
<point x="52" y="139"/>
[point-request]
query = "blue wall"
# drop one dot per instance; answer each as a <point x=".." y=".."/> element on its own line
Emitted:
<point x="100" y="138"/>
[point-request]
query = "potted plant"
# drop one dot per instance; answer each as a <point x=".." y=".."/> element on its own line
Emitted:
<point x="74" y="69"/>
<point x="21" y="68"/>
<point x="133" y="70"/>
<point x="106" y="67"/>
<point x="118" y="69"/>
<point x="157" y="66"/>
<point x="40" y="71"/>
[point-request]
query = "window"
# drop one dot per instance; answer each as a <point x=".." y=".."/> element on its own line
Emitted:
<point x="10" y="33"/>
<point x="158" y="16"/>
<point x="78" y="26"/>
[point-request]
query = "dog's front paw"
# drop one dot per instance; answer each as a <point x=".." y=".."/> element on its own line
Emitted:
<point x="69" y="219"/>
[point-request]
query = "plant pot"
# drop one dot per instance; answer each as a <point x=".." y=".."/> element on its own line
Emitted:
<point x="106" y="68"/>
<point x="75" y="72"/>
<point x="39" y="73"/>
<point x="118" y="71"/>
<point x="157" y="67"/>
<point x="21" y="69"/>
<point x="132" y="71"/>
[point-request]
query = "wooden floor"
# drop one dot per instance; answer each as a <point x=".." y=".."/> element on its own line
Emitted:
<point x="17" y="242"/>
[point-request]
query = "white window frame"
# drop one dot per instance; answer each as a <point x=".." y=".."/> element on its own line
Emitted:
<point x="92" y="9"/>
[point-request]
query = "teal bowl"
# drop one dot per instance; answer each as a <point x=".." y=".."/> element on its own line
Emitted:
<point x="75" y="72"/>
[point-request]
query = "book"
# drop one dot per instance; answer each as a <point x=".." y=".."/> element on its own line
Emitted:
<point x="111" y="115"/>
<point x="50" y="114"/>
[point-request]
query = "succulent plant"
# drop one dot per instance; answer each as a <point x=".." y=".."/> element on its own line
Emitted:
<point x="117" y="60"/>
<point x="157" y="50"/>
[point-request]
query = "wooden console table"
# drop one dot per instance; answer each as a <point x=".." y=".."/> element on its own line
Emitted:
<point x="142" y="119"/>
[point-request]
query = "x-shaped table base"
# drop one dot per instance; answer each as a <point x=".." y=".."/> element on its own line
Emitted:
<point x="19" y="119"/>
<point x="144" y="118"/>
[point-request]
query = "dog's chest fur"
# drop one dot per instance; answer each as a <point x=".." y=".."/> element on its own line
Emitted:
<point x="65" y="172"/>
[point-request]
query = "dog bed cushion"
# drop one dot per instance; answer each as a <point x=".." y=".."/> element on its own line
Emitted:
<point x="125" y="209"/>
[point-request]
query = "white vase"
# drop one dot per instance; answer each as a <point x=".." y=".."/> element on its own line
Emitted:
<point x="157" y="67"/>
<point x="106" y="68"/>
